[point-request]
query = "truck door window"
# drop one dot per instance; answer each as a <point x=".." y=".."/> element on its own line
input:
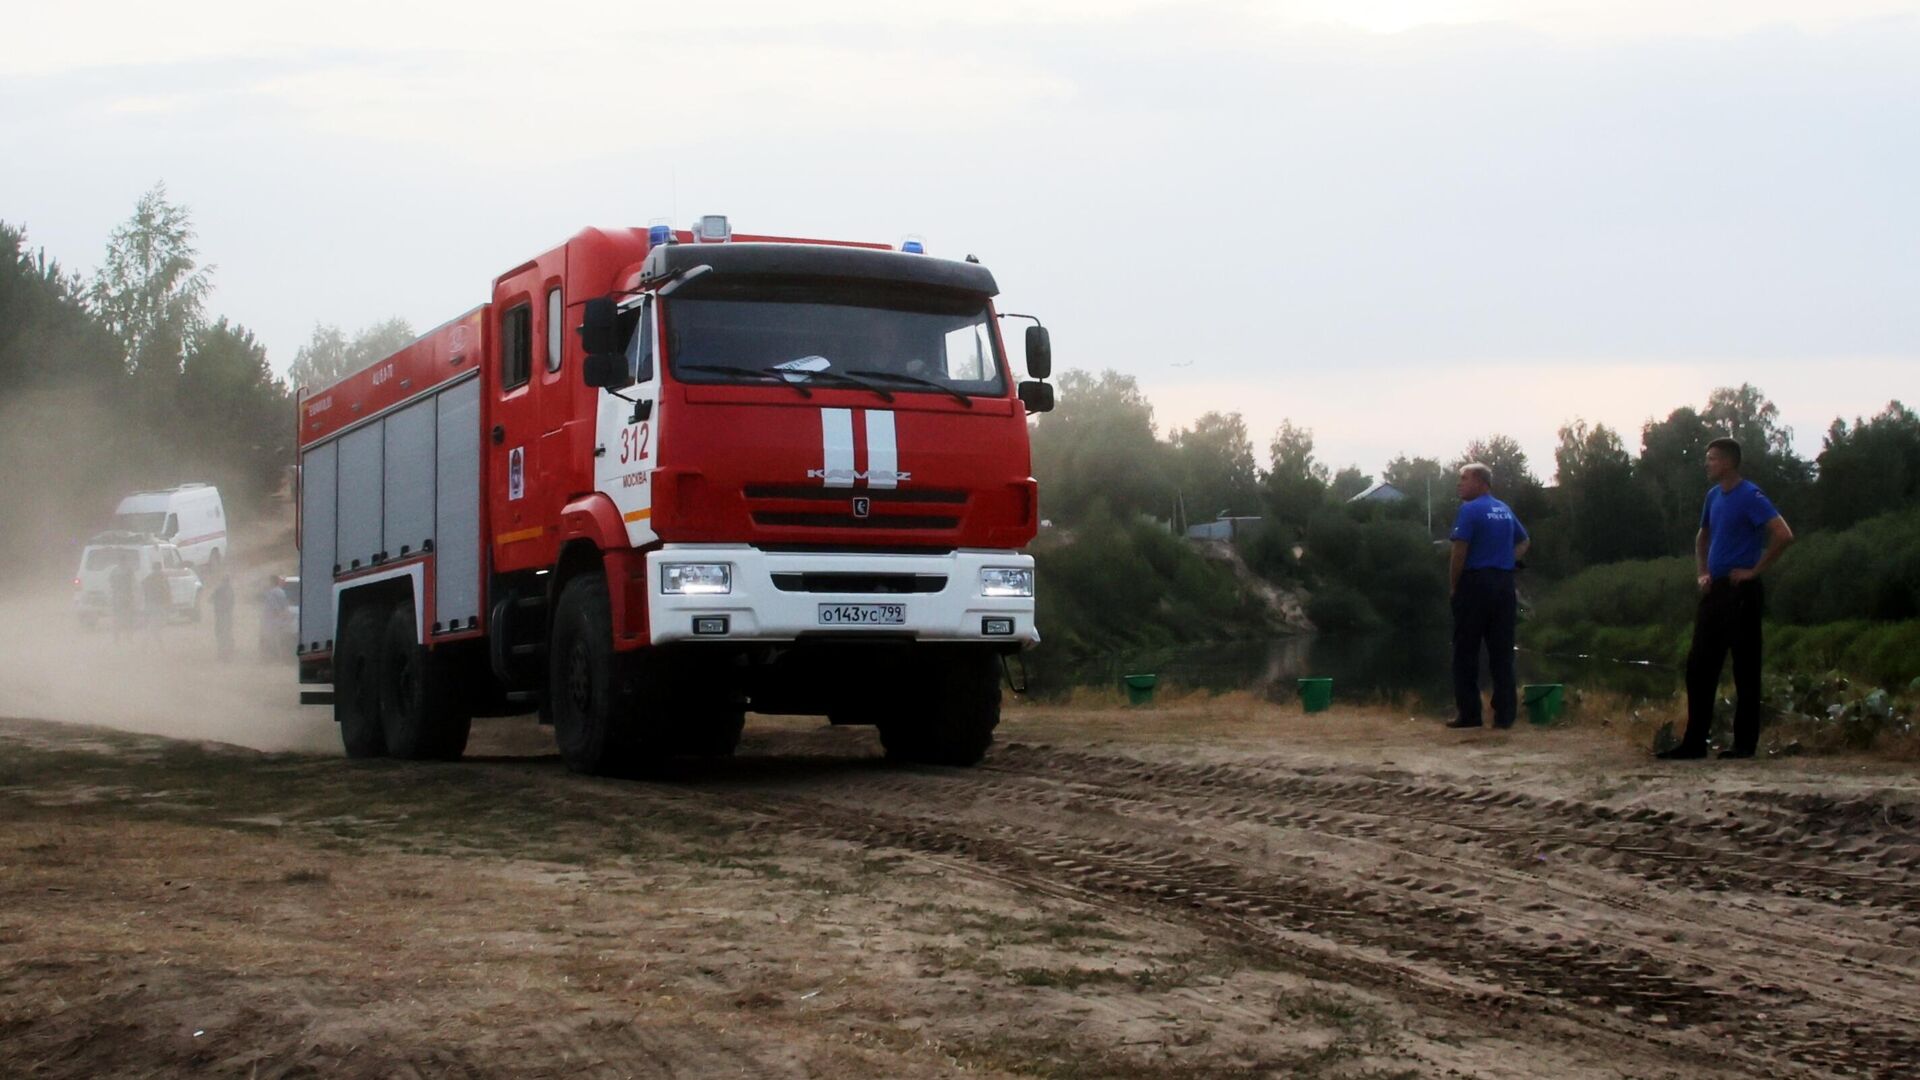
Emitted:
<point x="969" y="354"/>
<point x="172" y="528"/>
<point x="554" y="316"/>
<point x="639" y="341"/>
<point x="516" y="346"/>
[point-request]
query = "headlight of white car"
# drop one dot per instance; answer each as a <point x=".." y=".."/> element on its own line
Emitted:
<point x="1006" y="581"/>
<point x="696" y="579"/>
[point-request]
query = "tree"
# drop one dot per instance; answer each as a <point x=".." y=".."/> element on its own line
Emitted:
<point x="1296" y="484"/>
<point x="47" y="335"/>
<point x="329" y="355"/>
<point x="1098" y="446"/>
<point x="1766" y="448"/>
<point x="1869" y="468"/>
<point x="1349" y="482"/>
<point x="151" y="291"/>
<point x="1745" y="413"/>
<point x="64" y="430"/>
<point x="1608" y="516"/>
<point x="1672" y="469"/>
<point x="1503" y="455"/>
<point x="1214" y="469"/>
<point x="1422" y="481"/>
<point x="244" y="413"/>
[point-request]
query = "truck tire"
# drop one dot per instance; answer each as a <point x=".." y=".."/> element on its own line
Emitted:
<point x="592" y="690"/>
<point x="953" y="723"/>
<point x="356" y="684"/>
<point x="421" y="710"/>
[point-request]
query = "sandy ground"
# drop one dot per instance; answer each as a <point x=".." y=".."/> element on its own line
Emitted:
<point x="1210" y="888"/>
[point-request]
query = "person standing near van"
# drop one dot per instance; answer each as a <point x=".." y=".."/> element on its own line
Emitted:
<point x="1487" y="541"/>
<point x="1741" y="534"/>
<point x="120" y="594"/>
<point x="157" y="599"/>
<point x="222" y="601"/>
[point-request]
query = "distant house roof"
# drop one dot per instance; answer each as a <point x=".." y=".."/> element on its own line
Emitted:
<point x="1224" y="527"/>
<point x="1380" y="492"/>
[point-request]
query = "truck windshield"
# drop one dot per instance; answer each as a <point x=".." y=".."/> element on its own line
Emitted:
<point x="909" y="340"/>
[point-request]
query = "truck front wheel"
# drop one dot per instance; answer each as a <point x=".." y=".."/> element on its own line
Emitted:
<point x="952" y="722"/>
<point x="592" y="690"/>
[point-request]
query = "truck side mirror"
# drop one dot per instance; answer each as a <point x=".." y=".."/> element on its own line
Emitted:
<point x="600" y="327"/>
<point x="1039" y="353"/>
<point x="607" y="371"/>
<point x="1036" y="396"/>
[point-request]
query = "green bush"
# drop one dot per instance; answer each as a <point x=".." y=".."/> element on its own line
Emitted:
<point x="1371" y="574"/>
<point x="1108" y="584"/>
<point x="1846" y="601"/>
<point x="1335" y="607"/>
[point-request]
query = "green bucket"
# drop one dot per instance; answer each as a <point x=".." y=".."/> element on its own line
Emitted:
<point x="1316" y="694"/>
<point x="1544" y="701"/>
<point x="1140" y="688"/>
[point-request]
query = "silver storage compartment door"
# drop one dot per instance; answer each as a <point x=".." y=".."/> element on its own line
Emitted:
<point x="319" y="474"/>
<point x="409" y="480"/>
<point x="456" y="559"/>
<point x="361" y="492"/>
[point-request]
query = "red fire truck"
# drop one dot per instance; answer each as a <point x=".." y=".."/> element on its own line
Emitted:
<point x="664" y="477"/>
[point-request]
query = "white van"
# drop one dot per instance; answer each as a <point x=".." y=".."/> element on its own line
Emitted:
<point x="143" y="556"/>
<point x="190" y="517"/>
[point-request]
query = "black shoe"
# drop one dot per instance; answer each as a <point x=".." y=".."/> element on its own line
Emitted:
<point x="1735" y="753"/>
<point x="1461" y="725"/>
<point x="1502" y="725"/>
<point x="1682" y="753"/>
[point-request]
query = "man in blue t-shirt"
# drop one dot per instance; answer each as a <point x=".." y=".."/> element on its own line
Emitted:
<point x="1741" y="534"/>
<point x="1487" y="541"/>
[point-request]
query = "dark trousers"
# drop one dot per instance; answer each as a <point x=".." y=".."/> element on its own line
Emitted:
<point x="1728" y="619"/>
<point x="1484" y="611"/>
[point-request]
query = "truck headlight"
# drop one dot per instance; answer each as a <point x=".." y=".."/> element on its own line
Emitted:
<point x="696" y="579"/>
<point x="1006" y="581"/>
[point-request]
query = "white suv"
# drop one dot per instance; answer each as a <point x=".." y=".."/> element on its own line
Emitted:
<point x="142" y="555"/>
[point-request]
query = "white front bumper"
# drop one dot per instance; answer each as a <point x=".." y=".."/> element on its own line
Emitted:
<point x="757" y="610"/>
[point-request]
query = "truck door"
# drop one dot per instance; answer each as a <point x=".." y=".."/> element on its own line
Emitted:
<point x="521" y="538"/>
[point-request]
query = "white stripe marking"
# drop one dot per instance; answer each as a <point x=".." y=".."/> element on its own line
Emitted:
<point x="836" y="447"/>
<point x="883" y="455"/>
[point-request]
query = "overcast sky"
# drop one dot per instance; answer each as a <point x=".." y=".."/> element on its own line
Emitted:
<point x="1403" y="224"/>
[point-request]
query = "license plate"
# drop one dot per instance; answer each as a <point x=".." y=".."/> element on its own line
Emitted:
<point x="863" y="614"/>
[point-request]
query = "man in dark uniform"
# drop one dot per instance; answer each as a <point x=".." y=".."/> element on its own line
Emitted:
<point x="1741" y="534"/>
<point x="1487" y="540"/>
<point x="223" y="616"/>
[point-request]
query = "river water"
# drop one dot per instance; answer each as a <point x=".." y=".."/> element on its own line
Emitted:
<point x="1411" y="669"/>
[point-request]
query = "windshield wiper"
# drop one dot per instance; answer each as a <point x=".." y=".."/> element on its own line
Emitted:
<point x="843" y="378"/>
<point x="917" y="381"/>
<point x="752" y="373"/>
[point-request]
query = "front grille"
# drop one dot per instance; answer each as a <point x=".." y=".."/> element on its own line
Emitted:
<point x="828" y="582"/>
<point x="848" y="521"/>
<point x="878" y="495"/>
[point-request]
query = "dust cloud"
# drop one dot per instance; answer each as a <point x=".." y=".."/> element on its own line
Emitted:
<point x="158" y="681"/>
<point x="167" y="682"/>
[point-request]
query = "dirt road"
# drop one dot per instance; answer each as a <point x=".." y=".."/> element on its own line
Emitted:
<point x="1214" y="890"/>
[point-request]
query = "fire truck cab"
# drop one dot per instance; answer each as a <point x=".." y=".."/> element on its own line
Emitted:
<point x="664" y="478"/>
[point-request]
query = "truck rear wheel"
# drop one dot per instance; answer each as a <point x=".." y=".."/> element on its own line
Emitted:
<point x="356" y="684"/>
<point x="421" y="711"/>
<point x="592" y="690"/>
<point x="953" y="723"/>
